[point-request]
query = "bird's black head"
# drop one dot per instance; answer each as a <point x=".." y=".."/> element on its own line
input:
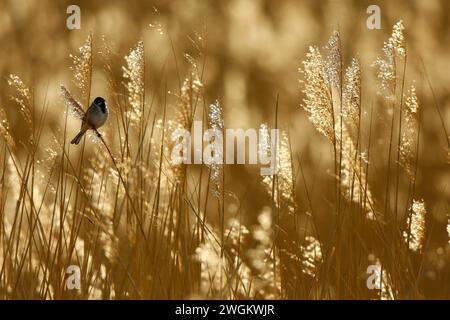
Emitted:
<point x="101" y="103"/>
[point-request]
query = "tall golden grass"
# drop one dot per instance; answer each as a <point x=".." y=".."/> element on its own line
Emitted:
<point x="141" y="228"/>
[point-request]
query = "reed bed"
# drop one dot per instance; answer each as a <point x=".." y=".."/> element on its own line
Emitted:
<point x="141" y="227"/>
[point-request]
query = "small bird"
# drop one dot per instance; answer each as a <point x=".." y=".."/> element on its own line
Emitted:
<point x="93" y="118"/>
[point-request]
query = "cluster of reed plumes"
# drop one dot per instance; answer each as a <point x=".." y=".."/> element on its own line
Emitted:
<point x="139" y="226"/>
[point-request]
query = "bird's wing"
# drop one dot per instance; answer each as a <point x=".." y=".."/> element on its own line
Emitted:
<point x="75" y="108"/>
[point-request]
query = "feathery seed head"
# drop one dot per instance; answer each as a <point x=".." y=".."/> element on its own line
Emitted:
<point x="82" y="67"/>
<point x="215" y="120"/>
<point x="318" y="102"/>
<point x="75" y="108"/>
<point x="23" y="98"/>
<point x="416" y="225"/>
<point x="215" y="116"/>
<point x="397" y="40"/>
<point x="134" y="72"/>
<point x="352" y="95"/>
<point x="393" y="48"/>
<point x="411" y="101"/>
<point x="333" y="62"/>
<point x="5" y="130"/>
<point x="407" y="147"/>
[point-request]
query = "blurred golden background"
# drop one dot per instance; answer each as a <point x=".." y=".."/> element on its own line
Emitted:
<point x="249" y="52"/>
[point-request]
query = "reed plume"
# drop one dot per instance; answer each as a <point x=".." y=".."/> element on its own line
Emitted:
<point x="135" y="73"/>
<point x="5" y="130"/>
<point x="283" y="192"/>
<point x="323" y="104"/>
<point x="415" y="234"/>
<point x="74" y="106"/>
<point x="82" y="69"/>
<point x="352" y="98"/>
<point x="393" y="49"/>
<point x="215" y="120"/>
<point x="23" y="98"/>
<point x="408" y="142"/>
<point x="333" y="64"/>
<point x="318" y="101"/>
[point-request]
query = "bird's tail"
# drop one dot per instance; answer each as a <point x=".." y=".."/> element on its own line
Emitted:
<point x="78" y="137"/>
